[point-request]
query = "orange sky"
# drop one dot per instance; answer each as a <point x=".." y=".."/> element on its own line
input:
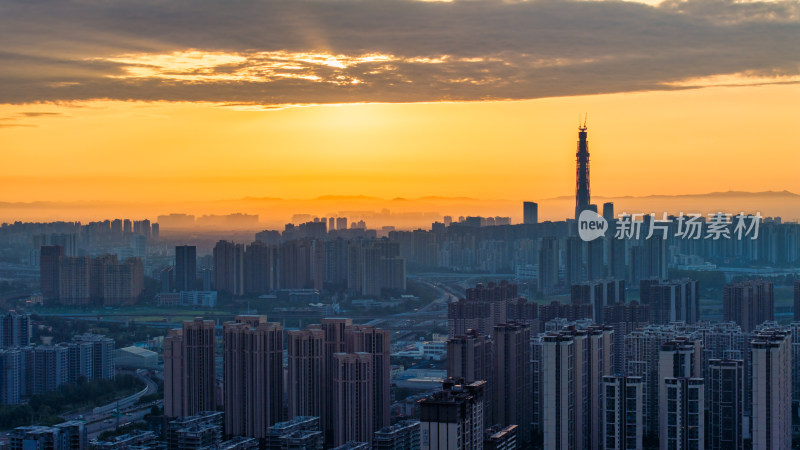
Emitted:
<point x="690" y="141"/>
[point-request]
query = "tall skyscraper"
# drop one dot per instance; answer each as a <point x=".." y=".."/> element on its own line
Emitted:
<point x="582" y="196"/>
<point x="548" y="265"/>
<point x="74" y="280"/>
<point x="375" y="342"/>
<point x="189" y="369"/>
<point x="575" y="263"/>
<point x="725" y="404"/>
<point x="353" y="398"/>
<point x="173" y="373"/>
<point x="185" y="267"/>
<point x="570" y="366"/>
<point x="682" y="420"/>
<point x="305" y="372"/>
<point x="681" y="397"/>
<point x="333" y="342"/>
<point x="559" y="421"/>
<point x="49" y="259"/>
<point x="253" y="388"/>
<point x="511" y="390"/>
<point x="260" y="268"/>
<point x="599" y="294"/>
<point x="772" y="390"/>
<point x="469" y="357"/>
<point x="749" y="303"/>
<point x="530" y="213"/>
<point x="229" y="267"/>
<point x="671" y="301"/>
<point x="452" y="419"/>
<point x="623" y="413"/>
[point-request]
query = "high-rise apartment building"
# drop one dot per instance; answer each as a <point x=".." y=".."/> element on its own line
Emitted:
<point x="452" y="419"/>
<point x="725" y="404"/>
<point x="189" y="369"/>
<point x="681" y="398"/>
<point x="671" y="301"/>
<point x="622" y="413"/>
<point x="557" y="367"/>
<point x="49" y="265"/>
<point x="772" y="391"/>
<point x="353" y="397"/>
<point x="15" y="329"/>
<point x="548" y="265"/>
<point x="511" y="390"/>
<point x="260" y="268"/>
<point x="185" y="267"/>
<point x="229" y="267"/>
<point x="599" y="294"/>
<point x="749" y="303"/>
<point x="74" y="285"/>
<point x="469" y="357"/>
<point x="253" y="387"/>
<point x="796" y="310"/>
<point x="11" y="384"/>
<point x="575" y="262"/>
<point x="333" y="342"/>
<point x="683" y="423"/>
<point x="376" y="343"/>
<point x="102" y="354"/>
<point x="305" y="372"/>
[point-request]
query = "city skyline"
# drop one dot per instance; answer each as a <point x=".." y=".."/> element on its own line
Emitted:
<point x="130" y="104"/>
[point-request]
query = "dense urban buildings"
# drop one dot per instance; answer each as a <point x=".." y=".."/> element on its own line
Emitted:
<point x="749" y="303"/>
<point x="598" y="344"/>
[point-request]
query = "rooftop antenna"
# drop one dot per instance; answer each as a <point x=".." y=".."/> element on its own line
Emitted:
<point x="584" y="119"/>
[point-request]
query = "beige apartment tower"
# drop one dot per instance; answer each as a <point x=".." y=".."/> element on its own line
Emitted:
<point x="253" y="359"/>
<point x="352" y="398"/>
<point x="305" y="372"/>
<point x="189" y="370"/>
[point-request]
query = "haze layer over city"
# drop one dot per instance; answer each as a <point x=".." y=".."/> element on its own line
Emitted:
<point x="399" y="225"/>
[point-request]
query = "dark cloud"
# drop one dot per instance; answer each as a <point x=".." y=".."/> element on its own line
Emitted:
<point x="467" y="50"/>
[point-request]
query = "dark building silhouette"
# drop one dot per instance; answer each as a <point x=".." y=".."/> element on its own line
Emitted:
<point x="260" y="268"/>
<point x="469" y="357"/>
<point x="582" y="196"/>
<point x="512" y="390"/>
<point x="725" y="404"/>
<point x="185" y="267"/>
<point x="749" y="303"/>
<point x="671" y="301"/>
<point x="49" y="258"/>
<point x="599" y="294"/>
<point x="229" y="267"/>
<point x="530" y="213"/>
